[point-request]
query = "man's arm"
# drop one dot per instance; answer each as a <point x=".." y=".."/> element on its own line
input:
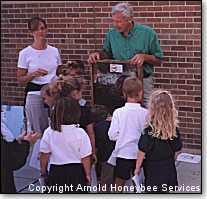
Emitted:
<point x="139" y="59"/>
<point x="154" y="56"/>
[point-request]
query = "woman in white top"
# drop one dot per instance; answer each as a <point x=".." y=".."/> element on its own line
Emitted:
<point x="37" y="66"/>
<point x="67" y="147"/>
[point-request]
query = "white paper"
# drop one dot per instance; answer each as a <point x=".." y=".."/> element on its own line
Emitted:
<point x="42" y="181"/>
<point x="93" y="178"/>
<point x="186" y="157"/>
<point x="137" y="182"/>
<point x="116" y="68"/>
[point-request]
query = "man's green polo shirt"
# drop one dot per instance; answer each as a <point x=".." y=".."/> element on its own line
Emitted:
<point x="141" y="39"/>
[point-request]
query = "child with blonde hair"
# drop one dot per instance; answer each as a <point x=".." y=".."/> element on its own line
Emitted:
<point x="159" y="142"/>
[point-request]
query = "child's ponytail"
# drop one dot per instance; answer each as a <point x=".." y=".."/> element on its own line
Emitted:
<point x="66" y="111"/>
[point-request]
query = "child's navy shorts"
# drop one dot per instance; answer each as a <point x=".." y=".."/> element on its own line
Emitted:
<point x="124" y="168"/>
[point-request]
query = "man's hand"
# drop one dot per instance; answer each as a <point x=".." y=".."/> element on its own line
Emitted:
<point x="93" y="58"/>
<point x="138" y="60"/>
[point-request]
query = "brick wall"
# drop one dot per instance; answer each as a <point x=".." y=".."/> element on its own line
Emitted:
<point x="77" y="28"/>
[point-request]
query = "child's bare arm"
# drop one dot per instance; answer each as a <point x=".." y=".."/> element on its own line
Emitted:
<point x="86" y="161"/>
<point x="140" y="158"/>
<point x="44" y="159"/>
<point x="91" y="134"/>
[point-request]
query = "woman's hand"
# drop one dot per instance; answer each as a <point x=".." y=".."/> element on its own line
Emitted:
<point x="39" y="73"/>
<point x="24" y="77"/>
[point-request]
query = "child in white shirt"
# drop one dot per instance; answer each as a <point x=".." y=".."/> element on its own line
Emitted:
<point x="67" y="146"/>
<point x="126" y="127"/>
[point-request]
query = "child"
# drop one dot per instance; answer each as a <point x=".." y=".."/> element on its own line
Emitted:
<point x="160" y="141"/>
<point x="47" y="95"/>
<point x="67" y="146"/>
<point x="51" y="92"/>
<point x="115" y="92"/>
<point x="76" y="67"/>
<point x="86" y="119"/>
<point x="67" y="86"/>
<point x="126" y="126"/>
<point x="72" y="68"/>
<point x="104" y="145"/>
<point x="14" y="152"/>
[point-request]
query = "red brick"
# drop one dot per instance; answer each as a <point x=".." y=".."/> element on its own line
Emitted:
<point x="177" y="81"/>
<point x="193" y="25"/>
<point x="161" y="3"/>
<point x="187" y="31"/>
<point x="169" y="31"/>
<point x="106" y="9"/>
<point x="162" y="69"/>
<point x="166" y="53"/>
<point x="178" y="48"/>
<point x="185" y="87"/>
<point x="145" y="3"/>
<point x="162" y="25"/>
<point x="156" y="9"/>
<point x="72" y="14"/>
<point x="177" y="3"/>
<point x="87" y="4"/>
<point x="193" y="60"/>
<point x="193" y="2"/>
<point x="178" y="59"/>
<point x="177" y="14"/>
<point x="146" y="14"/>
<point x="184" y="20"/>
<point x="101" y="4"/>
<point x="177" y="25"/>
<point x="197" y="19"/>
<point x="71" y="4"/>
<point x="193" y="37"/>
<point x="194" y="82"/>
<point x="58" y="4"/>
<point x="193" y="14"/>
<point x="162" y="14"/>
<point x="166" y="81"/>
<point x="185" y="65"/>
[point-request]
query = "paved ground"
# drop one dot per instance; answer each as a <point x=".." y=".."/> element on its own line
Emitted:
<point x="189" y="178"/>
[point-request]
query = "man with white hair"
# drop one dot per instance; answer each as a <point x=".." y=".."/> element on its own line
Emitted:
<point x="129" y="41"/>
